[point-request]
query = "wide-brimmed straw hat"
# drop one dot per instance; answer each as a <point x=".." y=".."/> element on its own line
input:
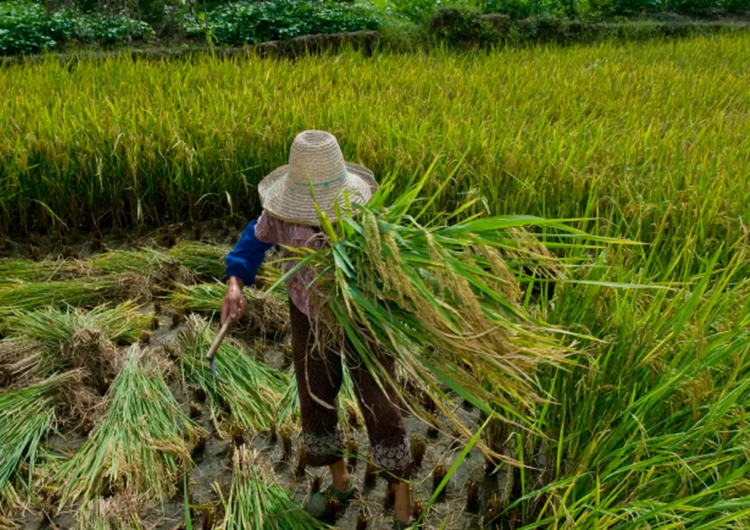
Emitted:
<point x="315" y="158"/>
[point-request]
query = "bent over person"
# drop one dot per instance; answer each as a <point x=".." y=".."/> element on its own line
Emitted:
<point x="290" y="220"/>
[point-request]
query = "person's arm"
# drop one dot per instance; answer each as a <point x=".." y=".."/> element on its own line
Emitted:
<point x="243" y="263"/>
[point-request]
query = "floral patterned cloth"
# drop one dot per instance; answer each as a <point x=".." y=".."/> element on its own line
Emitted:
<point x="274" y="231"/>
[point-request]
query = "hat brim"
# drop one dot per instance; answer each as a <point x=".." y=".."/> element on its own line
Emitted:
<point x="295" y="203"/>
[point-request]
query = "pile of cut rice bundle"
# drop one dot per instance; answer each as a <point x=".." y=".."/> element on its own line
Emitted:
<point x="257" y="501"/>
<point x="141" y="446"/>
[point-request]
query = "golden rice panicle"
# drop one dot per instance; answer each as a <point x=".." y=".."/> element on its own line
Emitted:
<point x="531" y="251"/>
<point x="499" y="268"/>
<point x="394" y="274"/>
<point x="453" y="289"/>
<point x="372" y="239"/>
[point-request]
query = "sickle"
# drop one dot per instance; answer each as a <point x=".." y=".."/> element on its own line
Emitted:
<point x="217" y="342"/>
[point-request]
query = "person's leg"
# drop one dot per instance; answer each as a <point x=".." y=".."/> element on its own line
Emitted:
<point x="401" y="502"/>
<point x="318" y="382"/>
<point x="340" y="475"/>
<point x="385" y="428"/>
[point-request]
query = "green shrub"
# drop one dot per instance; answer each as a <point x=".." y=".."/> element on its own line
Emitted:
<point x="737" y="6"/>
<point x="417" y="11"/>
<point x="523" y="9"/>
<point x="703" y="7"/>
<point x="27" y="27"/>
<point x="245" y="22"/>
<point x="517" y="9"/>
<point x="463" y="27"/>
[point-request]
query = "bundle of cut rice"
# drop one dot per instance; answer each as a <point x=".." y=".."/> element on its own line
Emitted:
<point x="445" y="299"/>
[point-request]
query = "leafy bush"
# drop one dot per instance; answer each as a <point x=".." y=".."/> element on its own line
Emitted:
<point x="27" y="28"/>
<point x="700" y="7"/>
<point x="462" y="26"/>
<point x="522" y="9"/>
<point x="244" y="22"/>
<point x="517" y="9"/>
<point x="415" y="10"/>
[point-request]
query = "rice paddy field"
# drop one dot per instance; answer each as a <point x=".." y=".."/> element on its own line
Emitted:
<point x="124" y="183"/>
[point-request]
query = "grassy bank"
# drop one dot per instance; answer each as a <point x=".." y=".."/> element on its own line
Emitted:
<point x="652" y="137"/>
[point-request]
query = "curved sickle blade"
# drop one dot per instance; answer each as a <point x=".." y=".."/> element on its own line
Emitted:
<point x="213" y="370"/>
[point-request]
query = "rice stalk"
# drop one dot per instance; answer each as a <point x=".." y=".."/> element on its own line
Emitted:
<point x="123" y="323"/>
<point x="26" y="415"/>
<point x="20" y="361"/>
<point x="257" y="501"/>
<point x="141" y="445"/>
<point x="30" y="296"/>
<point x="21" y="270"/>
<point x="265" y="313"/>
<point x="118" y="512"/>
<point x="440" y="309"/>
<point x="146" y="261"/>
<point x="251" y="391"/>
<point x="119" y="274"/>
<point x="204" y="259"/>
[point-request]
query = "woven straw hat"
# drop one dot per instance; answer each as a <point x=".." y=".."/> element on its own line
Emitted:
<point x="315" y="157"/>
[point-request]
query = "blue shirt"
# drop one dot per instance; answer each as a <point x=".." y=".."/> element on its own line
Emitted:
<point x="247" y="256"/>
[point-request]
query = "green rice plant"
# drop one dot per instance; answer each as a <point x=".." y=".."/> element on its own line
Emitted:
<point x="251" y="391"/>
<point x="265" y="312"/>
<point x="650" y="427"/>
<point x="257" y="501"/>
<point x="26" y="415"/>
<point x="642" y="135"/>
<point x="42" y="342"/>
<point x="140" y="446"/>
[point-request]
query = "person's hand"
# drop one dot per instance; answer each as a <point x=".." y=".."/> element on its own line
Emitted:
<point x="234" y="301"/>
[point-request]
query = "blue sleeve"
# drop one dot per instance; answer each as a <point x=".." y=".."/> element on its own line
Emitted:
<point x="245" y="259"/>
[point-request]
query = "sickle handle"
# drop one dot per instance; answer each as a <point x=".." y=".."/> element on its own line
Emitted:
<point x="220" y="336"/>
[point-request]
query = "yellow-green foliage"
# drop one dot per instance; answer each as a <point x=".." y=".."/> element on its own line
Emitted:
<point x="638" y="134"/>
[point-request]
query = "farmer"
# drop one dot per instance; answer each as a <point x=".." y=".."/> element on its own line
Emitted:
<point x="290" y="219"/>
